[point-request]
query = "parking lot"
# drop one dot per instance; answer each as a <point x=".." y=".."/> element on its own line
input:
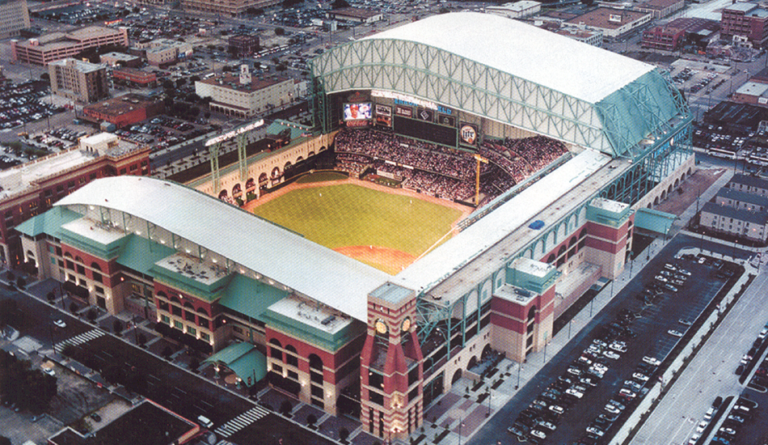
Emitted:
<point x="20" y="103"/>
<point x="586" y="389"/>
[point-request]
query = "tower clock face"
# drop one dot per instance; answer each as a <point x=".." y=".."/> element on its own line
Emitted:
<point x="380" y="326"/>
<point x="406" y="325"/>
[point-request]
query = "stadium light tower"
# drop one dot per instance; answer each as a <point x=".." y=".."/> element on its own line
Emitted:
<point x="479" y="159"/>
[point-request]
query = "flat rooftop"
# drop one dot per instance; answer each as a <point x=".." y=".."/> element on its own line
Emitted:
<point x="607" y="204"/>
<point x="192" y="268"/>
<point x="311" y="314"/>
<point x="602" y="18"/>
<point x="532" y="267"/>
<point x="22" y="177"/>
<point x="94" y="230"/>
<point x="232" y="82"/>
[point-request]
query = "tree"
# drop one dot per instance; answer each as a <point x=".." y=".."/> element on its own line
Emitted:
<point x="45" y="76"/>
<point x="167" y="352"/>
<point x="338" y="4"/>
<point x="50" y="296"/>
<point x="73" y="307"/>
<point x="343" y="434"/>
<point x="311" y="420"/>
<point x="21" y="282"/>
<point x="285" y="408"/>
<point x="142" y="340"/>
<point x="279" y="32"/>
<point x="117" y="326"/>
<point x="194" y="363"/>
<point x="5" y="441"/>
<point x="92" y="314"/>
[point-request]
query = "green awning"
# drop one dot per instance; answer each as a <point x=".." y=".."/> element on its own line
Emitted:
<point x="244" y="360"/>
<point x="654" y="220"/>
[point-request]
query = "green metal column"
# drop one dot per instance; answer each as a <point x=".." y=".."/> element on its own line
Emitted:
<point x="242" y="143"/>
<point x="215" y="173"/>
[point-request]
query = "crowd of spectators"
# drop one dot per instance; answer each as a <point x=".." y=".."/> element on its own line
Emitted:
<point x="440" y="171"/>
<point x="520" y="158"/>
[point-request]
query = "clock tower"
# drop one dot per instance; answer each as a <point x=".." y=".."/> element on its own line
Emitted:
<point x="391" y="365"/>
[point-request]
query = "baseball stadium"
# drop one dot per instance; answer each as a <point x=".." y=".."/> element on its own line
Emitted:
<point x="466" y="179"/>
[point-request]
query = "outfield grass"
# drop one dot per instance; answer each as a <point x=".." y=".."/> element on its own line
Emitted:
<point x="349" y="215"/>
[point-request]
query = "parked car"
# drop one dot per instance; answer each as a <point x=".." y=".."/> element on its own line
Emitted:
<point x="60" y="323"/>
<point x="651" y="361"/>
<point x="674" y="333"/>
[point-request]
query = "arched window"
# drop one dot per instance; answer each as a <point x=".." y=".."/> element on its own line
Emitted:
<point x="276" y="353"/>
<point x="96" y="271"/>
<point x="531" y="313"/>
<point x="291" y="355"/>
<point x="189" y="311"/>
<point x="202" y="311"/>
<point x="315" y="362"/>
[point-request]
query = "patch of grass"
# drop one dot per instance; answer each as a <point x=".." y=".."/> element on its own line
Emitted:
<point x="350" y="215"/>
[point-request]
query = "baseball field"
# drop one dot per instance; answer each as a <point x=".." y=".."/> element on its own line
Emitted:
<point x="383" y="229"/>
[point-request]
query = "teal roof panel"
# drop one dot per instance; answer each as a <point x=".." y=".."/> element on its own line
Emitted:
<point x="250" y="297"/>
<point x="140" y="254"/>
<point x="49" y="222"/>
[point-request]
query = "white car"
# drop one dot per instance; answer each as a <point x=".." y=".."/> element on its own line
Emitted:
<point x="640" y="377"/>
<point x="49" y="371"/>
<point x="702" y="425"/>
<point x="675" y="333"/>
<point x="694" y="439"/>
<point x="611" y="409"/>
<point x="548" y="425"/>
<point x="660" y="279"/>
<point x="574" y="393"/>
<point x="539" y="434"/>
<point x="624" y="392"/>
<point x="595" y="431"/>
<point x="599" y="367"/>
<point x="60" y="323"/>
<point x="618" y="347"/>
<point x="611" y="355"/>
<point x="557" y="409"/>
<point x="651" y="361"/>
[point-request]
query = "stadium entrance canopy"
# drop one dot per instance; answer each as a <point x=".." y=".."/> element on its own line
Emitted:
<point x="244" y="360"/>
<point x="512" y="73"/>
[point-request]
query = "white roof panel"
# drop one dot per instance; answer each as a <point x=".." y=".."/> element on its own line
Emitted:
<point x="480" y="236"/>
<point x="539" y="56"/>
<point x="309" y="268"/>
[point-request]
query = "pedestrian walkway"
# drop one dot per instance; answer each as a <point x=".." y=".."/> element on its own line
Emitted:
<point x="241" y="421"/>
<point x="80" y="338"/>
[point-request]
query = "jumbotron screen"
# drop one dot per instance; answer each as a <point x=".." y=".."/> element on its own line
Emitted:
<point x="357" y="111"/>
<point x="425" y="131"/>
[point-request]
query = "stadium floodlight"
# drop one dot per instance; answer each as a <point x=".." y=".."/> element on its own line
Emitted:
<point x="233" y="133"/>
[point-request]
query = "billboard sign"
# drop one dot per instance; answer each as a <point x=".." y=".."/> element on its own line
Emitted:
<point x="383" y="115"/>
<point x="468" y="134"/>
<point x="443" y="119"/>
<point x="425" y="114"/>
<point x="403" y="111"/>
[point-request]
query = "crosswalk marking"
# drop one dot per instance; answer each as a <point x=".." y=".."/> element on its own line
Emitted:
<point x="80" y="338"/>
<point x="241" y="421"/>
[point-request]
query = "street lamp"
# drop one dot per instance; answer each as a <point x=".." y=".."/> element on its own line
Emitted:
<point x="519" y="368"/>
<point x="461" y="424"/>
